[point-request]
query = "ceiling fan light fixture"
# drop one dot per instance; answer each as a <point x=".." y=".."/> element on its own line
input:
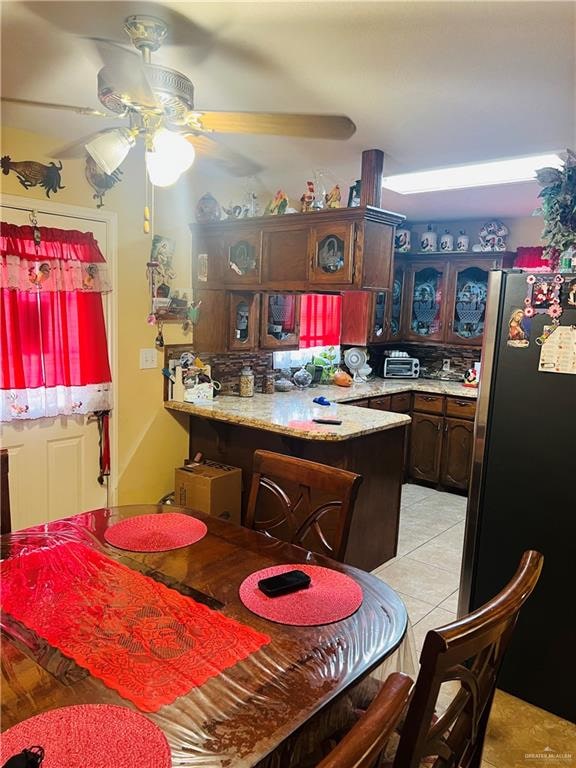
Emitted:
<point x="109" y="148"/>
<point x="168" y="158"/>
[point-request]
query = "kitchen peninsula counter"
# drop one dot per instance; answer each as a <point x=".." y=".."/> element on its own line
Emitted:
<point x="369" y="441"/>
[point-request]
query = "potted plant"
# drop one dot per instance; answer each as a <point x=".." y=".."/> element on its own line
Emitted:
<point x="558" y="208"/>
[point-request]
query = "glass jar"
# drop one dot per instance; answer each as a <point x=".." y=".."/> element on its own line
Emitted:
<point x="268" y="383"/>
<point x="302" y="378"/>
<point x="246" y="382"/>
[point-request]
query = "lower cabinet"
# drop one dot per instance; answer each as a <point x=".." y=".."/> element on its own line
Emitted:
<point x="441" y="445"/>
<point x="425" y="447"/>
<point x="456" y="453"/>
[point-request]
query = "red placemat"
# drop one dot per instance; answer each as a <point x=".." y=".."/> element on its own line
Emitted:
<point x="156" y="533"/>
<point x="331" y="596"/>
<point x="148" y="642"/>
<point x="94" y="735"/>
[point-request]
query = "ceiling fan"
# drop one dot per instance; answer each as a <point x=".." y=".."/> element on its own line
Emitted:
<point x="158" y="104"/>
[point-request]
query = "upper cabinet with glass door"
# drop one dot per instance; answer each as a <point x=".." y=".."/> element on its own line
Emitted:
<point x="243" y="321"/>
<point x="280" y="321"/>
<point x="396" y="304"/>
<point x="467" y="303"/>
<point x="427" y="297"/>
<point x="331" y="255"/>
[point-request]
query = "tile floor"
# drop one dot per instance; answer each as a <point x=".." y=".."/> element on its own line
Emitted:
<point x="426" y="575"/>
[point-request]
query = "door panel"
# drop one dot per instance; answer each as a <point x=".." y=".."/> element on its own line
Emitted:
<point x="54" y="463"/>
<point x="425" y="447"/>
<point x="457" y="453"/>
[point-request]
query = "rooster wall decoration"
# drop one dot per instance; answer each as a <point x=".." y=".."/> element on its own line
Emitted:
<point x="31" y="173"/>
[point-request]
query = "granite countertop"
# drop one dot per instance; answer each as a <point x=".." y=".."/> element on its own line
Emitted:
<point x="291" y="413"/>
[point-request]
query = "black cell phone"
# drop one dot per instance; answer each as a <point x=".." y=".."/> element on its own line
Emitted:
<point x="328" y="421"/>
<point x="291" y="581"/>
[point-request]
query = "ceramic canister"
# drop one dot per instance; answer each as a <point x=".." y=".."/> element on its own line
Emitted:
<point x="446" y="241"/>
<point x="428" y="240"/>
<point x="402" y="240"/>
<point x="463" y="242"/>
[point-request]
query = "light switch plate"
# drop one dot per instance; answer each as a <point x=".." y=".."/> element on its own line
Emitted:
<point x="148" y="358"/>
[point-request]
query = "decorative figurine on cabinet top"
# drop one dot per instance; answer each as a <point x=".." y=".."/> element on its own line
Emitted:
<point x="333" y="198"/>
<point x="307" y="199"/>
<point x="354" y="194"/>
<point x="208" y="209"/>
<point x="493" y="236"/>
<point x="277" y="206"/>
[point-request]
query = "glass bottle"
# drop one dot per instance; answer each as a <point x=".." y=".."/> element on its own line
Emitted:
<point x="268" y="383"/>
<point x="246" y="382"/>
<point x="302" y="378"/>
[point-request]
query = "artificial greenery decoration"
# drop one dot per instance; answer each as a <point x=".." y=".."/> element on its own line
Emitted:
<point x="558" y="208"/>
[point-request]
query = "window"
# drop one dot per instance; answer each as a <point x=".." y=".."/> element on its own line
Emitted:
<point x="52" y="330"/>
<point x="320" y="317"/>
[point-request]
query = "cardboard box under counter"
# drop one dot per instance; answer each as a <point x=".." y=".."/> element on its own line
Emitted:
<point x="210" y="487"/>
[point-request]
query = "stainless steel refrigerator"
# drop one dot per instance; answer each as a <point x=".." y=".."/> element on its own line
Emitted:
<point x="523" y="486"/>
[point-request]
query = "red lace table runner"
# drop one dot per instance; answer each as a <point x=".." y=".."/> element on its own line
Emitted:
<point x="144" y="640"/>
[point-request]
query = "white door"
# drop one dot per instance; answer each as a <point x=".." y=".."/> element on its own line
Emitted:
<point x="54" y="463"/>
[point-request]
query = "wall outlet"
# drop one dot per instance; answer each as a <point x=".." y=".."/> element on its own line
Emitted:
<point x="446" y="364"/>
<point x="148" y="358"/>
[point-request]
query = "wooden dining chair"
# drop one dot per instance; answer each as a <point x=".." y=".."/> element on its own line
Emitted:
<point x="302" y="502"/>
<point x="5" y="518"/>
<point x="363" y="744"/>
<point x="468" y="651"/>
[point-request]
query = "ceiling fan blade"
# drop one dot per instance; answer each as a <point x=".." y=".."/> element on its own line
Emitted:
<point x="67" y="107"/>
<point x="124" y="71"/>
<point x="232" y="162"/>
<point x="277" y="124"/>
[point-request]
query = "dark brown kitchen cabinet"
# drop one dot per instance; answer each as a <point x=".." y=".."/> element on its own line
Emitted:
<point x="331" y="253"/>
<point x="426" y="301"/>
<point x="466" y="302"/>
<point x="210" y="332"/>
<point x="243" y="323"/>
<point x="364" y="317"/>
<point x="425" y="447"/>
<point x="441" y="439"/>
<point x="456" y="453"/>
<point x="383" y="403"/>
<point x="329" y="250"/>
<point x="280" y="321"/>
<point x="395" y="305"/>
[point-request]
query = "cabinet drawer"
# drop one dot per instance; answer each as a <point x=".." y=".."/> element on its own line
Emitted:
<point x="380" y="403"/>
<point x="365" y="403"/>
<point x="460" y="408"/>
<point x="428" y="403"/>
<point x="400" y="403"/>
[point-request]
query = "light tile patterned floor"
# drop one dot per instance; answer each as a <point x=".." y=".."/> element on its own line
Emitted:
<point x="426" y="574"/>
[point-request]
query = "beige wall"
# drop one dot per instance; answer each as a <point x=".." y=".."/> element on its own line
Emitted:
<point x="151" y="442"/>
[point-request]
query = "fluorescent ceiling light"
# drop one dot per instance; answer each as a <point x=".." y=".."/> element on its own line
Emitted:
<point x="476" y="175"/>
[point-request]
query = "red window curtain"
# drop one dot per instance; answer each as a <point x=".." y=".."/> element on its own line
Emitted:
<point x="531" y="258"/>
<point x="320" y="320"/>
<point x="53" y="334"/>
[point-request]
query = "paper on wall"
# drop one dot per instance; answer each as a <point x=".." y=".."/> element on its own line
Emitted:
<point x="558" y="353"/>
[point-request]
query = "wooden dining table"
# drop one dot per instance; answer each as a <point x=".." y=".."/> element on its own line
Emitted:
<point x="246" y="712"/>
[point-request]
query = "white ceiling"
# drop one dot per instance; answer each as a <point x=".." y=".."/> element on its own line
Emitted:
<point x="430" y="83"/>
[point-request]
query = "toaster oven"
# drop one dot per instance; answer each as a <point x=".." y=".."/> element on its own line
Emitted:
<point x="401" y="368"/>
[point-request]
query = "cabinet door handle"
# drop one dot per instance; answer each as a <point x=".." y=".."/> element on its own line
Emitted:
<point x="428" y="398"/>
<point x="445" y="427"/>
<point x="462" y="403"/>
<point x="439" y="426"/>
<point x="450" y="325"/>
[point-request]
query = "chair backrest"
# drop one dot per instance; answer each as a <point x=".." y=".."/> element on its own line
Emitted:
<point x="302" y="502"/>
<point x="367" y="738"/>
<point x="5" y="519"/>
<point x="469" y="650"/>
